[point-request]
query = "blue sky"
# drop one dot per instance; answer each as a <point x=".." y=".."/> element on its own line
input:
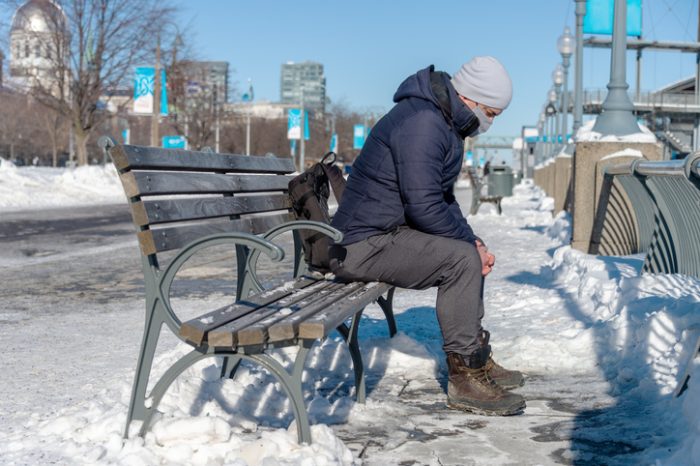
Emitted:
<point x="369" y="47"/>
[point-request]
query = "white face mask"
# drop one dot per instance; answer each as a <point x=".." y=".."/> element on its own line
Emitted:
<point x="484" y="121"/>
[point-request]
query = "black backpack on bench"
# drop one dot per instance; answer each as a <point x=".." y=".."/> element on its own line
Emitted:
<point x="309" y="193"/>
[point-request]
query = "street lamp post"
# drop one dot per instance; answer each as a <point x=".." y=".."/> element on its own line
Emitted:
<point x="156" y="97"/>
<point x="539" y="150"/>
<point x="217" y="121"/>
<point x="617" y="117"/>
<point x="558" y="80"/>
<point x="302" y="128"/>
<point x="578" y="66"/>
<point x="552" y="114"/>
<point x="565" y="44"/>
<point x="157" y="85"/>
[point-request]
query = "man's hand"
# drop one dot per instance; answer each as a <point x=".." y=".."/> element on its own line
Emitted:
<point x="487" y="259"/>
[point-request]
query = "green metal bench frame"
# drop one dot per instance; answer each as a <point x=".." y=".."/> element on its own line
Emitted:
<point x="158" y="283"/>
<point x="477" y="185"/>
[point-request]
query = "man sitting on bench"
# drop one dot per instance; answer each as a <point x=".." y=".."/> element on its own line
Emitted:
<point x="403" y="226"/>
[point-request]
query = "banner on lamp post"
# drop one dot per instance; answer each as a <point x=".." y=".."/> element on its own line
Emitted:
<point x="359" y="134"/>
<point x="599" y="17"/>
<point x="334" y="143"/>
<point x="144" y="85"/>
<point x="294" y="124"/>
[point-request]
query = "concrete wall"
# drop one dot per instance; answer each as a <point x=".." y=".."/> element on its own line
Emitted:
<point x="587" y="166"/>
<point x="562" y="177"/>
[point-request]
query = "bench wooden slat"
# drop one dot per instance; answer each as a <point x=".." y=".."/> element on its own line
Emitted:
<point x="227" y="336"/>
<point x="319" y="325"/>
<point x="195" y="330"/>
<point x="145" y="158"/>
<point x="286" y="320"/>
<point x="169" y="238"/>
<point x="149" y="183"/>
<point x="173" y="210"/>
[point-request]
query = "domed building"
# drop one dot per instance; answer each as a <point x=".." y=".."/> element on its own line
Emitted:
<point x="38" y="37"/>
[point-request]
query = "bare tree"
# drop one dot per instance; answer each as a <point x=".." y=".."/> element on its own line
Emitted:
<point x="55" y="125"/>
<point x="92" y="47"/>
<point x="21" y="138"/>
<point x="196" y="102"/>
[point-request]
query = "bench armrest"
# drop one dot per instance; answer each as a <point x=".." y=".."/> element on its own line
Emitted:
<point x="165" y="281"/>
<point x="335" y="234"/>
<point x="321" y="227"/>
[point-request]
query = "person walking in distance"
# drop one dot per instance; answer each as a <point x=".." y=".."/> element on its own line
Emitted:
<point x="402" y="224"/>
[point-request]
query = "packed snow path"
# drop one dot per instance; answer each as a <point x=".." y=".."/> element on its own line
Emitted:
<point x="602" y="347"/>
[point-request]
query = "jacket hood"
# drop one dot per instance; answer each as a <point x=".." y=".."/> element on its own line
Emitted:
<point x="417" y="85"/>
<point x="423" y="86"/>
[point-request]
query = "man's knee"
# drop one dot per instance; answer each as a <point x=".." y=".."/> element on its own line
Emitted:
<point x="464" y="263"/>
<point x="467" y="257"/>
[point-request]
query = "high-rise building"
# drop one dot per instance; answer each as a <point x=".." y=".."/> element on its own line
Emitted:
<point x="303" y="81"/>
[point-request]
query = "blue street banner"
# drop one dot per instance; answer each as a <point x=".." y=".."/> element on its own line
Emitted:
<point x="174" y="142"/>
<point x="294" y="124"/>
<point x="469" y="158"/>
<point x="334" y="143"/>
<point x="126" y="134"/>
<point x="144" y="84"/>
<point x="359" y="134"/>
<point x="599" y="17"/>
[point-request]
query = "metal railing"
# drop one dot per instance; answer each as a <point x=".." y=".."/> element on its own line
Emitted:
<point x="651" y="207"/>
<point x="647" y="101"/>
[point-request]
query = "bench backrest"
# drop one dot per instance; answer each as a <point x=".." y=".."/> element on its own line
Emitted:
<point x="177" y="196"/>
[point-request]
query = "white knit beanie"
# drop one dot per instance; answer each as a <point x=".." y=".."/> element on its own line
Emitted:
<point x="484" y="80"/>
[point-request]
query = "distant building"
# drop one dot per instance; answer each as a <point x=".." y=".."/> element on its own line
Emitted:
<point x="303" y="81"/>
<point x="210" y="77"/>
<point x="39" y="31"/>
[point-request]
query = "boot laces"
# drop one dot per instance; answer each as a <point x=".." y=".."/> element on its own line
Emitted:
<point x="482" y="375"/>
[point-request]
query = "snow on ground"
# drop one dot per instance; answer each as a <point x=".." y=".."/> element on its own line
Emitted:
<point x="555" y="313"/>
<point x="23" y="188"/>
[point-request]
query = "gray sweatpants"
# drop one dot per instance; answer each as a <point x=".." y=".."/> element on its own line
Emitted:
<point x="411" y="259"/>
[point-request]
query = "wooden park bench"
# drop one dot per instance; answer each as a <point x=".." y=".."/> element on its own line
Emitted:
<point x="477" y="185"/>
<point x="183" y="202"/>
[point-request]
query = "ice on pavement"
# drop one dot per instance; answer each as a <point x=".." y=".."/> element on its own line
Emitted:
<point x="615" y="343"/>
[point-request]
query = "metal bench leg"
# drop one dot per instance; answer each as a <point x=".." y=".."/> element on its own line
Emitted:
<point x="350" y="335"/>
<point x="292" y="385"/>
<point x="245" y="284"/>
<point x="164" y="382"/>
<point x="137" y="408"/>
<point x="229" y="367"/>
<point x="387" y="305"/>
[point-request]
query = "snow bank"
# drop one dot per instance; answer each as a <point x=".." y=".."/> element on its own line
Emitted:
<point x="23" y="188"/>
<point x="586" y="134"/>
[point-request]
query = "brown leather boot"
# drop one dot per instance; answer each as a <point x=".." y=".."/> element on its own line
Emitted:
<point x="505" y="378"/>
<point x="471" y="389"/>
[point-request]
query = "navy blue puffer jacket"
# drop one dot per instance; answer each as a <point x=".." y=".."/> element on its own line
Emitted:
<point x="406" y="171"/>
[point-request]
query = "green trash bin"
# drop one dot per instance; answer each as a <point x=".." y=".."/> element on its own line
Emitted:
<point x="500" y="181"/>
